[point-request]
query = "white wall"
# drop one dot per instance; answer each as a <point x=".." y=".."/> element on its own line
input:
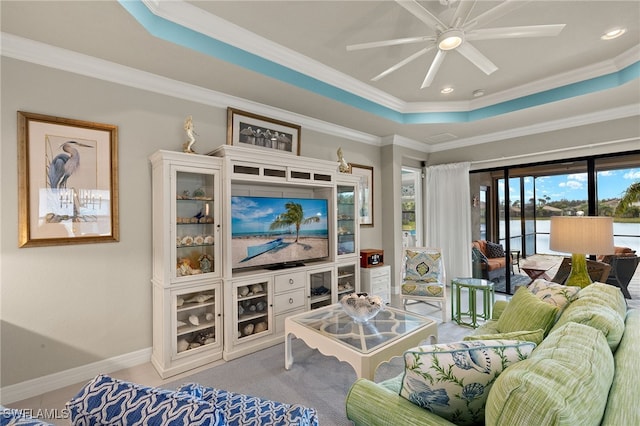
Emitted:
<point x="68" y="306"/>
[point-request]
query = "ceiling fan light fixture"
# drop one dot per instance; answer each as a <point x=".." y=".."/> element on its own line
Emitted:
<point x="450" y="39"/>
<point x="446" y="90"/>
<point x="477" y="93"/>
<point x="613" y="33"/>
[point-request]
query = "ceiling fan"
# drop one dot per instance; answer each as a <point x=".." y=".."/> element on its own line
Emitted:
<point x="456" y="34"/>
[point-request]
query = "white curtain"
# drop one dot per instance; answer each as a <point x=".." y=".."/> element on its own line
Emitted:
<point x="448" y="216"/>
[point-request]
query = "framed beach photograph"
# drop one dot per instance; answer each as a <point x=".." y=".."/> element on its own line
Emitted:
<point x="255" y="131"/>
<point x="365" y="196"/>
<point x="67" y="181"/>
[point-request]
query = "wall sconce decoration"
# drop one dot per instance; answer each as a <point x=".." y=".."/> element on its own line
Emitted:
<point x="474" y="201"/>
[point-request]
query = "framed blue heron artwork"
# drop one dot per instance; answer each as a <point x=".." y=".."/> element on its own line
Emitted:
<point x="67" y="181"/>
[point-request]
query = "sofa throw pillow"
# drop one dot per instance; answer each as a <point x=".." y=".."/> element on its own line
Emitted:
<point x="494" y="250"/>
<point x="526" y="312"/>
<point x="535" y="336"/>
<point x="422" y="266"/>
<point x="108" y="401"/>
<point x="246" y="410"/>
<point x="556" y="294"/>
<point x="477" y="256"/>
<point x="453" y="380"/>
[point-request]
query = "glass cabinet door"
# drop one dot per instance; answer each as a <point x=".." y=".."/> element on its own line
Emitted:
<point x="346" y="279"/>
<point x="195" y="223"/>
<point x="347" y="220"/>
<point x="197" y="315"/>
<point x="320" y="283"/>
<point x="252" y="308"/>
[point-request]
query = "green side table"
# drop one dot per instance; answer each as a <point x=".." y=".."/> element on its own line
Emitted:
<point x="472" y="285"/>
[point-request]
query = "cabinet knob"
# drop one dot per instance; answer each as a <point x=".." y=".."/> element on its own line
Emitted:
<point x="290" y="280"/>
<point x="291" y="300"/>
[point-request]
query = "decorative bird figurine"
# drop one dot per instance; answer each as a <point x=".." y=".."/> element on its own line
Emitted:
<point x="64" y="165"/>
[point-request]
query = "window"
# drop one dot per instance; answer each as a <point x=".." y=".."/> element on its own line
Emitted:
<point x="411" y="207"/>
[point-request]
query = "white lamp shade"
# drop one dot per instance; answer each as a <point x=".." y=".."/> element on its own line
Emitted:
<point x="581" y="234"/>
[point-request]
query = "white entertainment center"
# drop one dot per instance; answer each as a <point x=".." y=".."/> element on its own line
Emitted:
<point x="204" y="309"/>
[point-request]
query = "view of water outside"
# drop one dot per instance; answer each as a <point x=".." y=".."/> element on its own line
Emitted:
<point x="567" y="195"/>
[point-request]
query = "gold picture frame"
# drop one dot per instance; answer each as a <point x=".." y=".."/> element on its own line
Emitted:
<point x="365" y="192"/>
<point x="67" y="181"/>
<point x="263" y="133"/>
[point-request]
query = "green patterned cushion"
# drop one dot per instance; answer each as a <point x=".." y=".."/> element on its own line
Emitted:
<point x="417" y="288"/>
<point x="526" y="312"/>
<point x="601" y="306"/>
<point x="423" y="266"/>
<point x="565" y="382"/>
<point x="524" y="336"/>
<point x="453" y="380"/>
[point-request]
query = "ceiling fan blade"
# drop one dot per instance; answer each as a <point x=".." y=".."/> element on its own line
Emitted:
<point x="462" y="13"/>
<point x="402" y="63"/>
<point x="394" y="42"/>
<point x="433" y="69"/>
<point x="515" y="32"/>
<point x="478" y="59"/>
<point x="423" y="14"/>
<point x="500" y="10"/>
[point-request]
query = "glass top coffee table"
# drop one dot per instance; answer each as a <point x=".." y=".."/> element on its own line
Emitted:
<point x="363" y="345"/>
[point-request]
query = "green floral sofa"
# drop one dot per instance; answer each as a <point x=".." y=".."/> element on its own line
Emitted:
<point x="583" y="371"/>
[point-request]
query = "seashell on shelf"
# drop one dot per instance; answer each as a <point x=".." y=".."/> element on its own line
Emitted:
<point x="194" y="345"/>
<point x="183" y="345"/>
<point x="209" y="340"/>
<point x="200" y="298"/>
<point x="187" y="241"/>
<point x="260" y="327"/>
<point x="240" y="310"/>
<point x="181" y="323"/>
<point x="243" y="290"/>
<point x="252" y="308"/>
<point x="208" y="239"/>
<point x="256" y="288"/>
<point x="247" y="329"/>
<point x="193" y="319"/>
<point x="209" y="316"/>
<point x="179" y="301"/>
<point x="260" y="306"/>
<point x="198" y="240"/>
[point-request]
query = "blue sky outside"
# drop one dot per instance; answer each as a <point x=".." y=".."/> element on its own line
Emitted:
<point x="611" y="184"/>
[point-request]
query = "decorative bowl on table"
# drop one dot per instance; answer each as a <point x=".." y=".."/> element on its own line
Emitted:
<point x="361" y="307"/>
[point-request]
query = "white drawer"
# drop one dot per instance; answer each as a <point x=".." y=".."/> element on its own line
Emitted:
<point x="286" y="282"/>
<point x="379" y="285"/>
<point x="288" y="301"/>
<point x="280" y="319"/>
<point x="378" y="272"/>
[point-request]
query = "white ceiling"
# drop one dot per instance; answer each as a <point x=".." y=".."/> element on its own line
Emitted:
<point x="300" y="42"/>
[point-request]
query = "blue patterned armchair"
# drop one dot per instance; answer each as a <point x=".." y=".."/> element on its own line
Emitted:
<point x="424" y="278"/>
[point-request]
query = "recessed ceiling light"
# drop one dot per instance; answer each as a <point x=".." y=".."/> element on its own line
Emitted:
<point x="613" y="33"/>
<point x="446" y="90"/>
<point x="478" y="93"/>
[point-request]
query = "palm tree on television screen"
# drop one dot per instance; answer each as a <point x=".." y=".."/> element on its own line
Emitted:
<point x="293" y="216"/>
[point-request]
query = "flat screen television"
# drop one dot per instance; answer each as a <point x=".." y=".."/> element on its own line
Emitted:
<point x="278" y="232"/>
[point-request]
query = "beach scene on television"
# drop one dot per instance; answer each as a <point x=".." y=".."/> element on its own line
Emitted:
<point x="276" y="231"/>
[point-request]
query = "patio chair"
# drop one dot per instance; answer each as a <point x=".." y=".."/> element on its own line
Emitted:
<point x="598" y="271"/>
<point x="424" y="278"/>
<point x="622" y="270"/>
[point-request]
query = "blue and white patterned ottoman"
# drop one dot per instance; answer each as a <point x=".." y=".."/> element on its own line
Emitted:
<point x="245" y="410"/>
<point x="108" y="401"/>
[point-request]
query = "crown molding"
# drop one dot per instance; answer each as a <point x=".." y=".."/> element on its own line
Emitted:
<point x="210" y="25"/>
<point x="549" y="126"/>
<point x="55" y="57"/>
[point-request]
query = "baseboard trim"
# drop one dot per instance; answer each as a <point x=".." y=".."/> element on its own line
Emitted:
<point x="51" y="382"/>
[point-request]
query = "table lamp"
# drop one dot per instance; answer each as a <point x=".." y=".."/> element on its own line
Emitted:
<point x="581" y="235"/>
